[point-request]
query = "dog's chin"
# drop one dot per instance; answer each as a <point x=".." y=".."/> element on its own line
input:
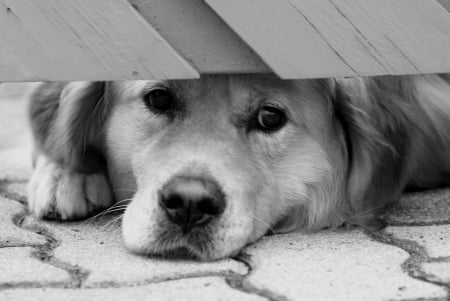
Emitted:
<point x="171" y="243"/>
<point x="190" y="253"/>
<point x="204" y="251"/>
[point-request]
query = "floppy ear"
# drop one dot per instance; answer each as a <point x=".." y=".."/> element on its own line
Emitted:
<point x="378" y="121"/>
<point x="67" y="121"/>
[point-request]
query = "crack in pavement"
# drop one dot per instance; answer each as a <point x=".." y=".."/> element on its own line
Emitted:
<point x="44" y="253"/>
<point x="425" y="299"/>
<point x="240" y="282"/>
<point x="113" y="284"/>
<point x="417" y="256"/>
<point x="440" y="259"/>
<point x="30" y="284"/>
<point x="8" y="244"/>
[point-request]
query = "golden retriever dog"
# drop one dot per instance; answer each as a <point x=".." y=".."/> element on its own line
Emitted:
<point x="208" y="166"/>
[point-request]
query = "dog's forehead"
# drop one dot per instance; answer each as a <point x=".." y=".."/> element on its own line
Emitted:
<point x="230" y="85"/>
<point x="237" y="92"/>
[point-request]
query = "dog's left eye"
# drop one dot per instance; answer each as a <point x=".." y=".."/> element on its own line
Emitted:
<point x="271" y="118"/>
<point x="159" y="100"/>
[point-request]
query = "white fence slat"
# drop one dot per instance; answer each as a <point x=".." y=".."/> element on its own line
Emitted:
<point x="200" y="36"/>
<point x="82" y="39"/>
<point x="324" y="38"/>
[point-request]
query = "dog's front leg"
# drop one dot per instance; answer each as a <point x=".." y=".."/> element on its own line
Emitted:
<point x="57" y="192"/>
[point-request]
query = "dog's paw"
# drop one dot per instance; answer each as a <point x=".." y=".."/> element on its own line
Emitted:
<point x="57" y="193"/>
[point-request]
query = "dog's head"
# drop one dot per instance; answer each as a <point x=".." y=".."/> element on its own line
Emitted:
<point x="211" y="165"/>
<point x="220" y="161"/>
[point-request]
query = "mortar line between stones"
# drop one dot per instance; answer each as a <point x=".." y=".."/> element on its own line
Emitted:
<point x="31" y="284"/>
<point x="239" y="282"/>
<point x="7" y="244"/>
<point x="112" y="284"/>
<point x="417" y="256"/>
<point x="44" y="252"/>
<point x="440" y="259"/>
<point x="157" y="280"/>
<point x="422" y="299"/>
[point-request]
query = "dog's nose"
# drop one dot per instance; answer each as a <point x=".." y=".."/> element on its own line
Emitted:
<point x="192" y="202"/>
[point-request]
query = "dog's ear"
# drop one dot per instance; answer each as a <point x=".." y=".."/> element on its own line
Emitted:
<point x="377" y="123"/>
<point x="67" y="122"/>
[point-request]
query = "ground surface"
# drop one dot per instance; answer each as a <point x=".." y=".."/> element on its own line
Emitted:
<point x="409" y="260"/>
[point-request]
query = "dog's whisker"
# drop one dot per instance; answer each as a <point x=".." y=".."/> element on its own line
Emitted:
<point x="122" y="201"/>
<point x="359" y="214"/>
<point x="102" y="213"/>
<point x="113" y="222"/>
<point x="116" y="207"/>
<point x="262" y="222"/>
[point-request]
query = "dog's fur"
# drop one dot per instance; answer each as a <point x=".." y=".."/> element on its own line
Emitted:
<point x="349" y="148"/>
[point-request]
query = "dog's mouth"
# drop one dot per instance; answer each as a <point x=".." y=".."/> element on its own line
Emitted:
<point x="175" y="242"/>
<point x="180" y="253"/>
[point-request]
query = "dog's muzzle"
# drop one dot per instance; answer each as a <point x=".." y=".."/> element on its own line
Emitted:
<point x="192" y="201"/>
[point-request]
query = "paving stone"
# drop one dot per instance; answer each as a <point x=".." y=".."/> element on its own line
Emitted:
<point x="438" y="271"/>
<point x="208" y="288"/>
<point x="435" y="239"/>
<point x="18" y="267"/>
<point x="98" y="247"/>
<point x="333" y="265"/>
<point x="10" y="234"/>
<point x="421" y="208"/>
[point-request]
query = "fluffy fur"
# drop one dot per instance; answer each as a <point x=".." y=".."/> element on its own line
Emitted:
<point x="348" y="150"/>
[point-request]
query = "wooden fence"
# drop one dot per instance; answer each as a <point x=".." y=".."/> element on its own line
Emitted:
<point x="147" y="39"/>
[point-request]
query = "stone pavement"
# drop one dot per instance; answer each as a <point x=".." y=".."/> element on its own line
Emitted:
<point x="409" y="260"/>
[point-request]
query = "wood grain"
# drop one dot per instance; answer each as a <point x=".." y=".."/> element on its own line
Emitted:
<point x="168" y="39"/>
<point x="82" y="39"/>
<point x="200" y="36"/>
<point x="445" y="4"/>
<point x="324" y="38"/>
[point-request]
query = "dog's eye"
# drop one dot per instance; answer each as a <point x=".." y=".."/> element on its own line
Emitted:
<point x="271" y="118"/>
<point x="159" y="100"/>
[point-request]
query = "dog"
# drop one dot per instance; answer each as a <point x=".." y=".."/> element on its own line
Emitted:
<point x="211" y="165"/>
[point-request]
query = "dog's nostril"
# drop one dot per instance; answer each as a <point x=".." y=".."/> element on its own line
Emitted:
<point x="209" y="206"/>
<point x="191" y="202"/>
<point x="173" y="202"/>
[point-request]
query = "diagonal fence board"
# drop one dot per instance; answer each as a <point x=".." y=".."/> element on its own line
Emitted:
<point x="410" y="36"/>
<point x="445" y="4"/>
<point x="324" y="38"/>
<point x="282" y="37"/>
<point x="147" y="39"/>
<point x="82" y="39"/>
<point x="200" y="36"/>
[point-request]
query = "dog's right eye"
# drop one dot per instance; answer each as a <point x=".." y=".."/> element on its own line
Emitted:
<point x="159" y="100"/>
<point x="270" y="118"/>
